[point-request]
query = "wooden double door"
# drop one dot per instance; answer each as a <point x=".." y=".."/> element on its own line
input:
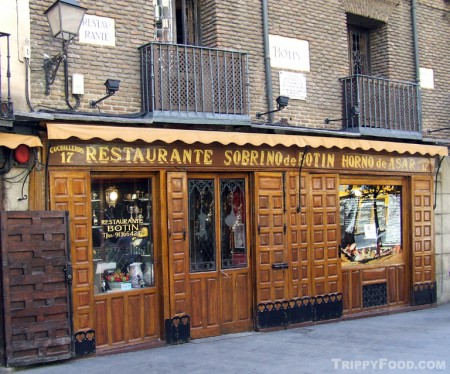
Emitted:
<point x="297" y="235"/>
<point x="290" y="247"/>
<point x="209" y="262"/>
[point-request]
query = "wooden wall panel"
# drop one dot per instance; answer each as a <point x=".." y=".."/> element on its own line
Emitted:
<point x="127" y="317"/>
<point x="354" y="279"/>
<point x="101" y="323"/>
<point x="178" y="243"/>
<point x="423" y="234"/>
<point x="352" y="294"/>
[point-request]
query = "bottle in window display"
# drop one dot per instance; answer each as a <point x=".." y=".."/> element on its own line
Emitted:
<point x="94" y="219"/>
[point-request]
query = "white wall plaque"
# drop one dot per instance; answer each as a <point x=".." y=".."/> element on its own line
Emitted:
<point x="426" y="78"/>
<point x="97" y="30"/>
<point x="293" y="85"/>
<point x="288" y="53"/>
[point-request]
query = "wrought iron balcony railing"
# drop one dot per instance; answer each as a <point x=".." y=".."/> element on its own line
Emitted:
<point x="6" y="104"/>
<point x="381" y="107"/>
<point x="194" y="83"/>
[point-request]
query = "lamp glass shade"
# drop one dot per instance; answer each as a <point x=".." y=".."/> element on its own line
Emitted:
<point x="65" y="17"/>
<point x="111" y="196"/>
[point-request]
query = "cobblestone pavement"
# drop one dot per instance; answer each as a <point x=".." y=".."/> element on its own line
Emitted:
<point x="416" y="341"/>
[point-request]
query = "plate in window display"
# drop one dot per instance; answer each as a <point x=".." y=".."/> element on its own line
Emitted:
<point x="121" y="286"/>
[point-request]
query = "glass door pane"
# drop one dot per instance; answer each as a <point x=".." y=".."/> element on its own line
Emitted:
<point x="233" y="223"/>
<point x="202" y="243"/>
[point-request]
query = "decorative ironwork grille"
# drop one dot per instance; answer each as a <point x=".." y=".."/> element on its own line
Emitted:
<point x="374" y="295"/>
<point x="379" y="105"/>
<point x="190" y="79"/>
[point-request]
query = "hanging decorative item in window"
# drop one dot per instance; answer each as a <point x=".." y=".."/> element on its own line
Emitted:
<point x="111" y="195"/>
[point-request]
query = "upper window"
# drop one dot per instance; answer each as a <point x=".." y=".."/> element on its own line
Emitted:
<point x="367" y="46"/>
<point x="177" y="21"/>
<point x="358" y="47"/>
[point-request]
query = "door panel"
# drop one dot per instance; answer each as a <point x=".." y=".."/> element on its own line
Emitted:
<point x="423" y="235"/>
<point x="325" y="234"/>
<point x="236" y="301"/>
<point x="271" y="283"/>
<point x="177" y="207"/>
<point x="298" y="234"/>
<point x="70" y="191"/>
<point x="218" y="300"/>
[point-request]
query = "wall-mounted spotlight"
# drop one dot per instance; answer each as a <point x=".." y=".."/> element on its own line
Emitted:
<point x="64" y="18"/>
<point x="112" y="86"/>
<point x="282" y="102"/>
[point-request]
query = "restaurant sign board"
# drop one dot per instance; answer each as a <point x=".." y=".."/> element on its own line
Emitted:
<point x="213" y="156"/>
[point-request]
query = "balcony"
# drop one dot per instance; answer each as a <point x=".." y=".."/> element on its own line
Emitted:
<point x="381" y="107"/>
<point x="182" y="83"/>
<point x="6" y="104"/>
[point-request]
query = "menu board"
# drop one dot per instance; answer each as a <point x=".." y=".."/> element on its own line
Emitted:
<point x="393" y="229"/>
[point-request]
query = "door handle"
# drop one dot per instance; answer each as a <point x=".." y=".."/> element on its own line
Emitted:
<point x="223" y="273"/>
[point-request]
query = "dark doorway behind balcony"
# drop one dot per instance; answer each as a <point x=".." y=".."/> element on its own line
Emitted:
<point x="6" y="104"/>
<point x="381" y="107"/>
<point x="189" y="83"/>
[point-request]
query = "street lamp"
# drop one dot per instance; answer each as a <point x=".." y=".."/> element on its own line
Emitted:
<point x="64" y="18"/>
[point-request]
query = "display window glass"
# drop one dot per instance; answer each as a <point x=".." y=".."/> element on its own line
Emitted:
<point x="371" y="223"/>
<point x="122" y="234"/>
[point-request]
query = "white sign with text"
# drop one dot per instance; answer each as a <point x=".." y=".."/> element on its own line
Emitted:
<point x="98" y="30"/>
<point x="288" y="53"/>
<point x="293" y="85"/>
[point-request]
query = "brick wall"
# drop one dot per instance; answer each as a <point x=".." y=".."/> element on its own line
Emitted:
<point x="134" y="27"/>
<point x="236" y="25"/>
<point x="434" y="50"/>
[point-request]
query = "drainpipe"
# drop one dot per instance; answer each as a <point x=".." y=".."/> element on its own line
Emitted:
<point x="416" y="60"/>
<point x="269" y="94"/>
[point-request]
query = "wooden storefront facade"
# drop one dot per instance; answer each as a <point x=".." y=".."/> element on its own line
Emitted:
<point x="239" y="236"/>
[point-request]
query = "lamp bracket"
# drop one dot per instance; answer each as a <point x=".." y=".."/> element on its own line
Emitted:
<point x="93" y="104"/>
<point x="282" y="102"/>
<point x="51" y="66"/>
<point x="259" y="115"/>
<point x="112" y="86"/>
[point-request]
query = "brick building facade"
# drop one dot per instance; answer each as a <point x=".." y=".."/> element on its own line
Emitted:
<point x="249" y="205"/>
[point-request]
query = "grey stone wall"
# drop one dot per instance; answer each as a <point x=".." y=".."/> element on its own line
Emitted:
<point x="442" y="233"/>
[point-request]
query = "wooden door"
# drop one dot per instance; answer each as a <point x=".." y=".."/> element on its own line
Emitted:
<point x="216" y="296"/>
<point x="272" y="256"/>
<point x="36" y="295"/>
